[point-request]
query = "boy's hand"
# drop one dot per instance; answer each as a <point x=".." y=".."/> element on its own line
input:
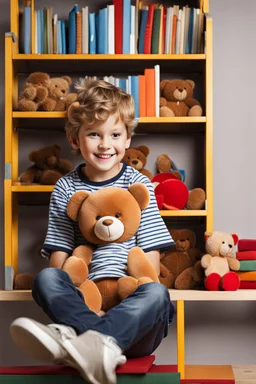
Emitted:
<point x="154" y="258"/>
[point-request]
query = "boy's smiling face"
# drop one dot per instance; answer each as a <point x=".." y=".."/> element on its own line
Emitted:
<point x="103" y="148"/>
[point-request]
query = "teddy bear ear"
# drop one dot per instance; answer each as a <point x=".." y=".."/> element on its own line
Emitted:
<point x="68" y="79"/>
<point x="141" y="194"/>
<point x="75" y="203"/>
<point x="144" y="149"/>
<point x="191" y="83"/>
<point x="32" y="155"/>
<point x="235" y="238"/>
<point x="162" y="84"/>
<point x="207" y="235"/>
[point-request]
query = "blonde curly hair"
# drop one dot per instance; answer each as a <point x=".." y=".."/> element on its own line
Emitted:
<point x="96" y="101"/>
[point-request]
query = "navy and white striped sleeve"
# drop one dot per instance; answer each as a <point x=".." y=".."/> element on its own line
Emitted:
<point x="60" y="232"/>
<point x="153" y="233"/>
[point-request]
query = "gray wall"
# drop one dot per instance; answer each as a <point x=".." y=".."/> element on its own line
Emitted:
<point x="213" y="330"/>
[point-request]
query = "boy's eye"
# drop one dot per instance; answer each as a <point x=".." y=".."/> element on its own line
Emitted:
<point x="93" y="134"/>
<point x="116" y="134"/>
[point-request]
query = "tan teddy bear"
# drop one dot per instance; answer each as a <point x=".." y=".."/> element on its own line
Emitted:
<point x="35" y="91"/>
<point x="48" y="167"/>
<point x="137" y="158"/>
<point x="220" y="261"/>
<point x="183" y="261"/>
<point x="58" y="88"/>
<point x="177" y="99"/>
<point x="109" y="215"/>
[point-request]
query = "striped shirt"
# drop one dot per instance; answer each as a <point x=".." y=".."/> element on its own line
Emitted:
<point x="109" y="260"/>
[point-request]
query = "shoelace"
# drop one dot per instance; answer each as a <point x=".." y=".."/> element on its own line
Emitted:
<point x="64" y="332"/>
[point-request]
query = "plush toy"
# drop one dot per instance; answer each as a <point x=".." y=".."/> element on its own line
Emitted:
<point x="109" y="215"/>
<point x="35" y="91"/>
<point x="23" y="281"/>
<point x="220" y="261"/>
<point x="58" y="98"/>
<point x="48" y="167"/>
<point x="183" y="261"/>
<point x="171" y="193"/>
<point x="137" y="158"/>
<point x="176" y="99"/>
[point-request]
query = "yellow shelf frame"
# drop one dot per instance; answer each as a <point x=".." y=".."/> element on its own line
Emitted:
<point x="11" y="188"/>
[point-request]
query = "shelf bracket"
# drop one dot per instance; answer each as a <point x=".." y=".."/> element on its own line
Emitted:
<point x="9" y="278"/>
<point x="12" y="34"/>
<point x="8" y="171"/>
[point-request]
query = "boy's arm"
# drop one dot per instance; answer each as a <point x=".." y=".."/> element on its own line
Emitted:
<point x="57" y="259"/>
<point x="154" y="258"/>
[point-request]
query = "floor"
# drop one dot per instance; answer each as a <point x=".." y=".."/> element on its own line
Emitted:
<point x="245" y="374"/>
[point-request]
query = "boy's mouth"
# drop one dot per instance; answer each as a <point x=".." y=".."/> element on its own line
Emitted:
<point x="104" y="155"/>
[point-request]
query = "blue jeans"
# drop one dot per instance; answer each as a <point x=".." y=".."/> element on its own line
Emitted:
<point x="138" y="323"/>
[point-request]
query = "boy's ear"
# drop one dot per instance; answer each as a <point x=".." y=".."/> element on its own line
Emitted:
<point x="128" y="142"/>
<point x="74" y="142"/>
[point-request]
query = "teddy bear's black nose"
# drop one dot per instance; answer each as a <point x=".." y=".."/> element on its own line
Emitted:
<point x="63" y="90"/>
<point x="180" y="89"/>
<point x="135" y="162"/>
<point x="230" y="246"/>
<point x="107" y="222"/>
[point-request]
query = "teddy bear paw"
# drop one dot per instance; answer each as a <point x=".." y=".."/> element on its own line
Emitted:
<point x="212" y="282"/>
<point x="196" y="110"/>
<point x="166" y="112"/>
<point x="230" y="282"/>
<point x="92" y="296"/>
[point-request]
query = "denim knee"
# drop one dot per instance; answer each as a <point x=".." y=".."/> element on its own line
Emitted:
<point x="160" y="299"/>
<point x="47" y="278"/>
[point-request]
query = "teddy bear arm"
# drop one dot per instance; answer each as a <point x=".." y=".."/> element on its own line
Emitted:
<point x="50" y="177"/>
<point x="65" y="166"/>
<point x="84" y="252"/>
<point x="195" y="254"/>
<point x="166" y="277"/>
<point x="234" y="264"/>
<point x="48" y="104"/>
<point x="60" y="105"/>
<point x="29" y="92"/>
<point x="139" y="266"/>
<point x="163" y="102"/>
<point x="41" y="93"/>
<point x="30" y="175"/>
<point x="206" y="261"/>
<point x="191" y="102"/>
<point x="70" y="99"/>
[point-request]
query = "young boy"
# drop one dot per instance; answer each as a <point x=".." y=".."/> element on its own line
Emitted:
<point x="100" y="125"/>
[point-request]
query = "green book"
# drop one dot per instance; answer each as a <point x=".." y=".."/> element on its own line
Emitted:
<point x="156" y="31"/>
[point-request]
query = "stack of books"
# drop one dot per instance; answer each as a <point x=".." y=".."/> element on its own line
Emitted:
<point x="246" y="254"/>
<point x="119" y="28"/>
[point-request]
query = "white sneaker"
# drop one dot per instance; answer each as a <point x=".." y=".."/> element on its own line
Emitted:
<point x="95" y="356"/>
<point x="42" y="342"/>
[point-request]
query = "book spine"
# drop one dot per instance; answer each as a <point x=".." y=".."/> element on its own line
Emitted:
<point x="63" y="37"/>
<point x="150" y="92"/>
<point x="92" y="34"/>
<point x="72" y="30"/>
<point x="135" y="94"/>
<point x="148" y="30"/>
<point x="78" y="33"/>
<point x="126" y="25"/>
<point x="27" y="30"/>
<point x="142" y="95"/>
<point x="111" y="29"/>
<point x="85" y="28"/>
<point x="118" y="4"/>
<point x="144" y="16"/>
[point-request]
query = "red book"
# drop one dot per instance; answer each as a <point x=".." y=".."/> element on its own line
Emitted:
<point x="118" y="26"/>
<point x="247" y="285"/>
<point x="150" y="92"/>
<point x="164" y="28"/>
<point x="149" y="29"/>
<point x="246" y="245"/>
<point x="246" y="255"/>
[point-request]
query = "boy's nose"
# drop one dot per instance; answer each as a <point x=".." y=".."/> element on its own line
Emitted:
<point x="104" y="144"/>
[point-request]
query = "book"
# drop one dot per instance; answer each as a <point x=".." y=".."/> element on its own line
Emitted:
<point x="156" y="31"/>
<point x="135" y="94"/>
<point x="143" y="22"/>
<point x="133" y="27"/>
<point x="174" y="32"/>
<point x="118" y="4"/>
<point x="27" y="30"/>
<point x="72" y="29"/>
<point x="45" y="40"/>
<point x="92" y="33"/>
<point x="247" y="276"/>
<point x="142" y="96"/>
<point x="126" y="25"/>
<point x="103" y="31"/>
<point x="247" y="285"/>
<point x="149" y="29"/>
<point x="49" y="31"/>
<point x="35" y="32"/>
<point x="9" y="278"/>
<point x="246" y="255"/>
<point x="168" y="39"/>
<point x="122" y="84"/>
<point x="85" y="29"/>
<point x="55" y="22"/>
<point x="59" y="37"/>
<point x="39" y="32"/>
<point x="247" y="265"/>
<point x="246" y="245"/>
<point x="63" y="37"/>
<point x="111" y="29"/>
<point x="78" y="33"/>
<point x="150" y="92"/>
<point x="157" y="89"/>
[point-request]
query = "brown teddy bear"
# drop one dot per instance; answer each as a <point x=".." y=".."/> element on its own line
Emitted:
<point x="48" y="167"/>
<point x="220" y="261"/>
<point x="196" y="197"/>
<point x="183" y="261"/>
<point x="103" y="218"/>
<point x="35" y="91"/>
<point x="58" y="98"/>
<point x="137" y="158"/>
<point x="176" y="99"/>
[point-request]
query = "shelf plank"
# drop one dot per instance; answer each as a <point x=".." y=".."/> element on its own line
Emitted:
<point x="184" y="212"/>
<point x="141" y="120"/>
<point x="18" y="187"/>
<point x="186" y="295"/>
<point x="108" y="57"/>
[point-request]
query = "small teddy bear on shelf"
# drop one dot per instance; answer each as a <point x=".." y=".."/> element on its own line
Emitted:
<point x="58" y="98"/>
<point x="48" y="167"/>
<point x="137" y="158"/>
<point x="220" y="262"/>
<point x="176" y="99"/>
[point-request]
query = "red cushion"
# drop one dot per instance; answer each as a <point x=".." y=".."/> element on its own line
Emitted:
<point x="139" y="365"/>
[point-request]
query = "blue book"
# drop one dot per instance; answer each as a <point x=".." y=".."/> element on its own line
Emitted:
<point x="39" y="31"/>
<point x="63" y="36"/>
<point x="103" y="31"/>
<point x="97" y="32"/>
<point x="143" y="23"/>
<point x="27" y="30"/>
<point x="59" y="37"/>
<point x="135" y="94"/>
<point x="122" y="84"/>
<point x="190" y="31"/>
<point x="92" y="34"/>
<point x="72" y="30"/>
<point x="126" y="25"/>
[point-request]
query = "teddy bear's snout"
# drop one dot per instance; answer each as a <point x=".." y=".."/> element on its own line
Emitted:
<point x="51" y="161"/>
<point x="135" y="162"/>
<point x="107" y="222"/>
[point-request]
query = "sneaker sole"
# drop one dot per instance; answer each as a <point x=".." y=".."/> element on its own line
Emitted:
<point x="42" y="346"/>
